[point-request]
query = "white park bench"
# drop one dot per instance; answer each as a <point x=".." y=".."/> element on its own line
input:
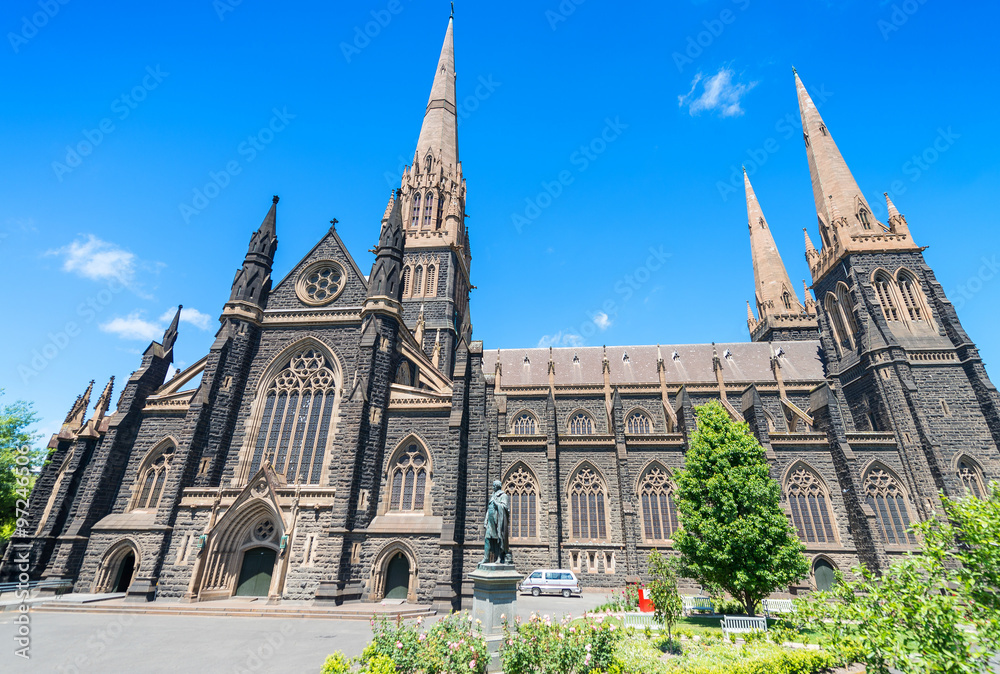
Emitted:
<point x="740" y="624"/>
<point x="772" y="606"/>
<point x="697" y="604"/>
<point x="641" y="621"/>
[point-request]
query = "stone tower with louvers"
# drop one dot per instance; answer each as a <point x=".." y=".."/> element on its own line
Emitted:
<point x="338" y="440"/>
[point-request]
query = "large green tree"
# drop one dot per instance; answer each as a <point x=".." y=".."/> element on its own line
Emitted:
<point x="734" y="533"/>
<point x="18" y="457"/>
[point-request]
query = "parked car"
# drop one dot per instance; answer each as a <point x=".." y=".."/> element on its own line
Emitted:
<point x="551" y="581"/>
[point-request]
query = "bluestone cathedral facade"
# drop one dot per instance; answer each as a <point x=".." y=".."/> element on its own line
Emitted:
<point x="339" y="439"/>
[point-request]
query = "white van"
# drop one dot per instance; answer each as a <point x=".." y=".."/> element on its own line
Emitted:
<point x="551" y="581"/>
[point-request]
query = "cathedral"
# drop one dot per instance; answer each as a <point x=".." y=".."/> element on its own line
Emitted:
<point x="338" y="441"/>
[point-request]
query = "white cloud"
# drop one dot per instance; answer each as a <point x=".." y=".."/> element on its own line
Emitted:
<point x="719" y="93"/>
<point x="602" y="321"/>
<point x="560" y="339"/>
<point x="133" y="326"/>
<point x="188" y="315"/>
<point x="97" y="260"/>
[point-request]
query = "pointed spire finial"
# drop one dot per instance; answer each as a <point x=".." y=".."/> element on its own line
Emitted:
<point x="452" y="10"/>
<point x="104" y="402"/>
<point x="893" y="211"/>
<point x="774" y="290"/>
<point x="439" y="132"/>
<point x="170" y="334"/>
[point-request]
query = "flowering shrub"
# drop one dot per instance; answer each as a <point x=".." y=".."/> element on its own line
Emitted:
<point x="641" y="656"/>
<point x="543" y="646"/>
<point x="621" y="600"/>
<point x="453" y="644"/>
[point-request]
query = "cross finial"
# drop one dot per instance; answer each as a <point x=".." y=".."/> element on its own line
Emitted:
<point x="453" y="10"/>
<point x="334" y="222"/>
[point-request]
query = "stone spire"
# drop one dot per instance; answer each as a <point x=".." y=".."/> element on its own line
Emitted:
<point x="897" y="221"/>
<point x="104" y="402"/>
<point x="775" y="293"/>
<point x="252" y="284"/>
<point x="170" y="334"/>
<point x="439" y="133"/>
<point x="385" y="279"/>
<point x="77" y="413"/>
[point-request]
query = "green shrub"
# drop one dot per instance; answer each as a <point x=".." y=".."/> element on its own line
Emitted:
<point x="453" y="644"/>
<point x="381" y="664"/>
<point x="547" y="647"/>
<point x="621" y="600"/>
<point x="337" y="663"/>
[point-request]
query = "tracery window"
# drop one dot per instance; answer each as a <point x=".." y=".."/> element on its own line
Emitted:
<point x="971" y="478"/>
<point x="887" y="498"/>
<point x="810" y="505"/>
<point x="865" y="219"/>
<point x="587" y="497"/>
<point x="525" y="424"/>
<point x="428" y="209"/>
<point x="884" y="292"/>
<point x="298" y="411"/>
<point x="837" y="322"/>
<point x="847" y="309"/>
<point x="523" y="491"/>
<point x="152" y="476"/>
<point x="415" y="220"/>
<point x="659" y="514"/>
<point x="431" y="281"/>
<point x="408" y="479"/>
<point x="581" y="424"/>
<point x="418" y="276"/>
<point x="913" y="296"/>
<point x="638" y="423"/>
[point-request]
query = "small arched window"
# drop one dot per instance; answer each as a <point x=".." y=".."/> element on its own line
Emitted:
<point x="886" y="497"/>
<point x="428" y="209"/>
<point x="913" y="296"/>
<point x="581" y="424"/>
<point x="810" y="504"/>
<point x="403" y="374"/>
<point x="864" y="218"/>
<point x="431" y="290"/>
<point x="428" y="163"/>
<point x="836" y="322"/>
<point x="523" y="490"/>
<point x="659" y="514"/>
<point x="847" y="309"/>
<point x="824" y="575"/>
<point x="408" y="479"/>
<point x="415" y="220"/>
<point x="418" y="277"/>
<point x="407" y="274"/>
<point x="588" y="496"/>
<point x="638" y="423"/>
<point x="885" y="292"/>
<point x="524" y="424"/>
<point x="972" y="478"/>
<point x="152" y="476"/>
<point x="786" y="299"/>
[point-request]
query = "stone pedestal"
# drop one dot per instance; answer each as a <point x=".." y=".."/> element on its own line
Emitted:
<point x="494" y="595"/>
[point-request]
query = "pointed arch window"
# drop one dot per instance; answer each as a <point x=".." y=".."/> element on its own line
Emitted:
<point x="407" y="277"/>
<point x="404" y="376"/>
<point x="888" y="499"/>
<point x="588" y="496"/>
<point x="638" y="423"/>
<point x="415" y="220"/>
<point x="418" y="277"/>
<point x="810" y="504"/>
<point x="786" y="299"/>
<point x="431" y="284"/>
<point x="152" y="477"/>
<point x="913" y="296"/>
<point x="408" y="478"/>
<point x="428" y="163"/>
<point x="581" y="424"/>
<point x="523" y="490"/>
<point x="886" y="296"/>
<point x="298" y="413"/>
<point x="428" y="209"/>
<point x="972" y="478"/>
<point x="847" y="309"/>
<point x="659" y="514"/>
<point x="836" y="322"/>
<point x="525" y="424"/>
<point x="865" y="218"/>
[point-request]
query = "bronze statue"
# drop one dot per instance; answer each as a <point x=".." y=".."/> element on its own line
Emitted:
<point x="496" y="545"/>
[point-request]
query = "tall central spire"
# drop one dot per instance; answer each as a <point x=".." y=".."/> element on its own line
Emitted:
<point x="439" y="133"/>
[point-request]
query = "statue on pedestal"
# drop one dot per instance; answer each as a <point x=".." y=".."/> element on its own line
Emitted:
<point x="496" y="545"/>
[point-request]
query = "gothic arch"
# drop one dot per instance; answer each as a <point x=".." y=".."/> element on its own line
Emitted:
<point x="523" y="422"/>
<point x="110" y="571"/>
<point x="587" y="495"/>
<point x="237" y="531"/>
<point x="811" y="504"/>
<point x="915" y="307"/>
<point x="577" y="425"/>
<point x="521" y="483"/>
<point x="816" y="562"/>
<point x="254" y="449"/>
<point x="408" y="475"/>
<point x="887" y="295"/>
<point x="637" y="426"/>
<point x="886" y="494"/>
<point x="151" y="475"/>
<point x="654" y="489"/>
<point x="376" y="583"/>
<point x="970" y="473"/>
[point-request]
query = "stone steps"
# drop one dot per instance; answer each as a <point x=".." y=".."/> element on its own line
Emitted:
<point x="304" y="612"/>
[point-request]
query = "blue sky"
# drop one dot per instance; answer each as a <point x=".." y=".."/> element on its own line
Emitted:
<point x="644" y="243"/>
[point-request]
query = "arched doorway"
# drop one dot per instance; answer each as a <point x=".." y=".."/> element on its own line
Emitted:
<point x="125" y="570"/>
<point x="255" y="573"/>
<point x="823" y="573"/>
<point x="397" y="577"/>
